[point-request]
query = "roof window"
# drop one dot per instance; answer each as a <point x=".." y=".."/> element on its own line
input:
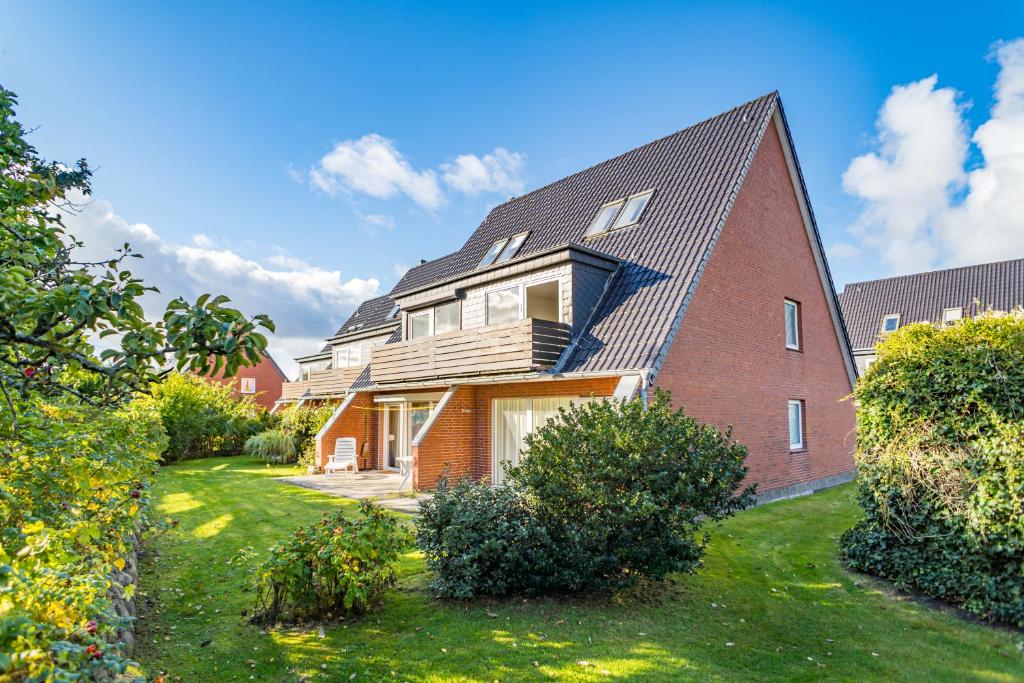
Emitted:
<point x="512" y="248"/>
<point x="492" y="254"/>
<point x="620" y="214"/>
<point x="891" y="323"/>
<point x="393" y="312"/>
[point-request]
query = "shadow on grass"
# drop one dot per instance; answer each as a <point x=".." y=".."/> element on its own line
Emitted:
<point x="771" y="602"/>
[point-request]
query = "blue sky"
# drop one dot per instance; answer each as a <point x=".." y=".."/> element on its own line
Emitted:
<point x="206" y="121"/>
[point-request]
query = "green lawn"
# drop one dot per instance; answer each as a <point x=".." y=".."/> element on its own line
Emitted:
<point x="771" y="603"/>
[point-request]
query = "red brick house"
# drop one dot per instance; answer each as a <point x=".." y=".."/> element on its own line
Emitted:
<point x="692" y="264"/>
<point x="262" y="381"/>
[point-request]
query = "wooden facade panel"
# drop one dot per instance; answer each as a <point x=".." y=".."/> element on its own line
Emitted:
<point x="333" y="382"/>
<point x="519" y="346"/>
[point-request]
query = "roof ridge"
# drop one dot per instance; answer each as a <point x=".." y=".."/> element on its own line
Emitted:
<point x="773" y="93"/>
<point x="928" y="272"/>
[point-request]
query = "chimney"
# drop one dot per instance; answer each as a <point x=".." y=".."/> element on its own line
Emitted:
<point x="422" y="261"/>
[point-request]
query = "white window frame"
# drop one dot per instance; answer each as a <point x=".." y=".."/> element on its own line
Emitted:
<point x="521" y="237"/>
<point x="797" y="446"/>
<point x="497" y="244"/>
<point x="891" y="316"/>
<point x="787" y="304"/>
<point x="959" y="314"/>
<point x="622" y="211"/>
<point x="433" y="317"/>
<point x="529" y="425"/>
<point x="523" y="286"/>
<point x="618" y="204"/>
<point x="430" y="325"/>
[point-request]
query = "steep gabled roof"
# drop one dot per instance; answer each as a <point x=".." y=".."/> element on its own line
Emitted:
<point x="924" y="296"/>
<point x="695" y="175"/>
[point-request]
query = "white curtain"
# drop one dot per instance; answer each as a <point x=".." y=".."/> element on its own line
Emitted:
<point x="511" y="425"/>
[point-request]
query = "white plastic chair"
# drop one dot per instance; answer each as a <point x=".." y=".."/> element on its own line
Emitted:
<point x="344" y="456"/>
<point x="405" y="470"/>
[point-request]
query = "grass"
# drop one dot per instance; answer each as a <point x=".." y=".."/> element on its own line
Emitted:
<point x="771" y="602"/>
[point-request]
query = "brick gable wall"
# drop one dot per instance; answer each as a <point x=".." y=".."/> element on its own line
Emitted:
<point x="729" y="363"/>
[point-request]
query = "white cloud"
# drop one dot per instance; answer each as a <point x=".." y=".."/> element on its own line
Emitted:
<point x="843" y="250"/>
<point x="400" y="269"/>
<point x="499" y="171"/>
<point x="923" y="209"/>
<point x="306" y="302"/>
<point x="989" y="224"/>
<point x="374" y="166"/>
<point x="373" y="223"/>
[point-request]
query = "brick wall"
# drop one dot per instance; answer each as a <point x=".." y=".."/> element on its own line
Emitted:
<point x="729" y="362"/>
<point x="268" y="381"/>
<point x="360" y="421"/>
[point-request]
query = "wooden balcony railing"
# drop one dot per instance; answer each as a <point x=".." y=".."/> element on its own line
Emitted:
<point x="519" y="346"/>
<point x="321" y="384"/>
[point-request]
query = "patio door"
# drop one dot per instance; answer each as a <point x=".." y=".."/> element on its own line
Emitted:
<point x="511" y="420"/>
<point x="392" y="436"/>
<point x="401" y="423"/>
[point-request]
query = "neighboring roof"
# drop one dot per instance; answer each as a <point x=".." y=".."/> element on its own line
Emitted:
<point x="695" y="175"/>
<point x="370" y="314"/>
<point x="924" y="296"/>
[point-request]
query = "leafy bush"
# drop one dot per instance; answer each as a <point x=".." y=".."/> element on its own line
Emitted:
<point x="941" y="464"/>
<point x="483" y="540"/>
<point x="203" y="418"/>
<point x="337" y="567"/>
<point x="74" y="490"/>
<point x="272" y="445"/>
<point x="303" y="423"/>
<point x="606" y="493"/>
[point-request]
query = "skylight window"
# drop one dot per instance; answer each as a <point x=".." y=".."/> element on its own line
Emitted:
<point x="512" y="248"/>
<point x="890" y="323"/>
<point x="492" y="253"/>
<point x="393" y="312"/>
<point x="634" y="208"/>
<point x="604" y="218"/>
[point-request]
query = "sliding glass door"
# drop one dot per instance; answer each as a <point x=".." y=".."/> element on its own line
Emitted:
<point x="511" y="420"/>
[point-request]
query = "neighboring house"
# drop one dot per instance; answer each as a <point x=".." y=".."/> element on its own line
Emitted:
<point x="874" y="308"/>
<point x="263" y="381"/>
<point x="691" y="264"/>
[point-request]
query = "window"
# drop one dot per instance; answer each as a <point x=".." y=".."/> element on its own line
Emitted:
<point x="634" y="209"/>
<point x="792" y="325"/>
<point x="891" y="323"/>
<point x="604" y="218"/>
<point x="492" y="254"/>
<point x="512" y="248"/>
<point x="347" y="356"/>
<point x="421" y="324"/>
<point x="503" y="305"/>
<point x="393" y="312"/>
<point x="514" y="418"/>
<point x="951" y="315"/>
<point x="542" y="301"/>
<point x="796" y="425"/>
<point x="447" y="317"/>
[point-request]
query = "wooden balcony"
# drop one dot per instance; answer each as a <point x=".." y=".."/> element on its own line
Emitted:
<point x="519" y="346"/>
<point x="321" y="384"/>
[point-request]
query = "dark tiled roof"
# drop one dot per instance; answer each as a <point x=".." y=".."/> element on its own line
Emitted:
<point x="695" y="174"/>
<point x="371" y="313"/>
<point x="924" y="296"/>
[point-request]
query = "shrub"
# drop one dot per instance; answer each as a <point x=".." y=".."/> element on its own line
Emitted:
<point x="74" y="491"/>
<point x="204" y="418"/>
<point x="272" y="445"/>
<point x="335" y="568"/>
<point x="303" y="423"/>
<point x="941" y="464"/>
<point x="606" y="493"/>
<point x="483" y="540"/>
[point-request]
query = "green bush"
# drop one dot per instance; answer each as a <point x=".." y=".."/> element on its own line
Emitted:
<point x="941" y="464"/>
<point x="272" y="445"/>
<point x="204" y="418"/>
<point x="303" y="423"/>
<point x="335" y="568"/>
<point x="74" y="491"/>
<point x="482" y="540"/>
<point x="606" y="493"/>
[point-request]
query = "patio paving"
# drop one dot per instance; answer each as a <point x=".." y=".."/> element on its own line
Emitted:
<point x="383" y="487"/>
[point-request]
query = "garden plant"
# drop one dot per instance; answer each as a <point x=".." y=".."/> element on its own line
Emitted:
<point x="941" y="464"/>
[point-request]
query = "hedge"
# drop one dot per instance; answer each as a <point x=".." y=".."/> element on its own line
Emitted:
<point x="941" y="464"/>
